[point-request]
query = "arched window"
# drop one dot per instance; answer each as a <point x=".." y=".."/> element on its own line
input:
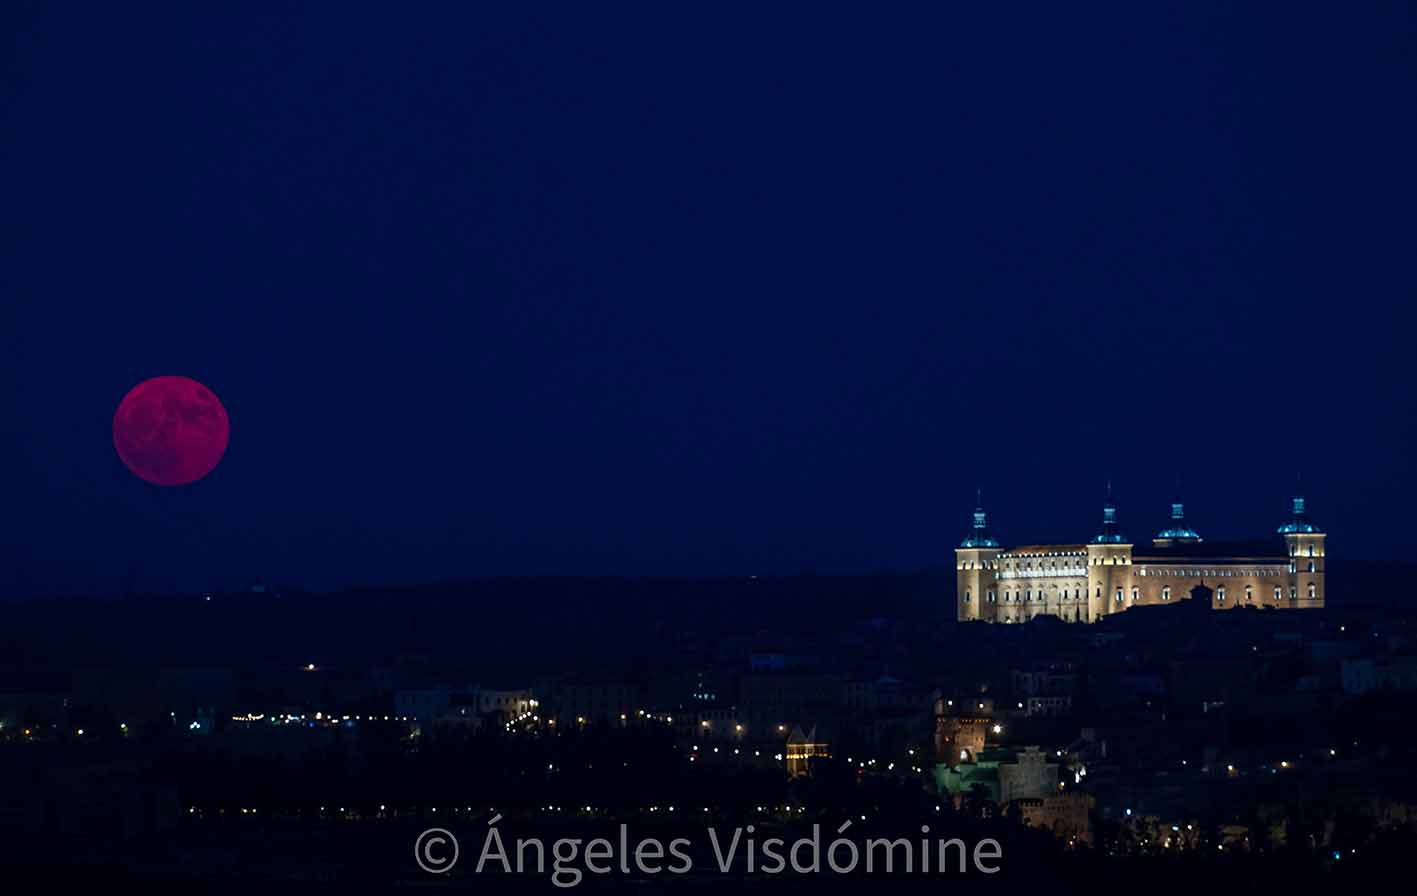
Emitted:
<point x="1313" y="591"/>
<point x="1166" y="593"/>
<point x="1220" y="594"/>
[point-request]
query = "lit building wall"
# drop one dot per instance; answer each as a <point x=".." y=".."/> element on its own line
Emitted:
<point x="1084" y="582"/>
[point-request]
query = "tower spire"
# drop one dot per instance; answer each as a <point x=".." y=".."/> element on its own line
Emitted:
<point x="979" y="536"/>
<point x="1177" y="531"/>
<point x="1109" y="533"/>
<point x="1298" y="517"/>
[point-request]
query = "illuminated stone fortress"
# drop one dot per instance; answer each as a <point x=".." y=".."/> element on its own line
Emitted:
<point x="1109" y="574"/>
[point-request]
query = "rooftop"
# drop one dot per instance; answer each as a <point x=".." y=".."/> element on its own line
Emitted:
<point x="1264" y="548"/>
<point x="1178" y="530"/>
<point x="979" y="536"/>
<point x="1047" y="549"/>
<point x="1298" y="522"/>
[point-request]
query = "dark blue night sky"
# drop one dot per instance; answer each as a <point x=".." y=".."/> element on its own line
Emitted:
<point x="698" y="289"/>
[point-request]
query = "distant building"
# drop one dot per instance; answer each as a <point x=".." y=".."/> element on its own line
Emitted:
<point x="1384" y="673"/>
<point x="1067" y="815"/>
<point x="1083" y="582"/>
<point x="1047" y="692"/>
<point x="726" y="723"/>
<point x="471" y="705"/>
<point x="1049" y="707"/>
<point x="960" y="736"/>
<point x="507" y="704"/>
<point x="885" y="694"/>
<point x="1029" y="775"/>
<point x="802" y="749"/>
<point x="770" y="699"/>
<point x="584" y="703"/>
<point x="976" y="777"/>
<point x="1002" y="775"/>
<point x="425" y="704"/>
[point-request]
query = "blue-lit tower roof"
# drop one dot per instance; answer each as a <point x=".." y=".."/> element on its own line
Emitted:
<point x="1298" y="522"/>
<point x="1178" y="530"/>
<point x="979" y="536"/>
<point x="1110" y="534"/>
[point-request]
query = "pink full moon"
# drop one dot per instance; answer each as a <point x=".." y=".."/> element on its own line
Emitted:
<point x="170" y="430"/>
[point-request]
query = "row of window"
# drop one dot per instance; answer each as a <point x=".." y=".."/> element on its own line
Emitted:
<point x="1218" y="572"/>
<point x="1076" y="564"/>
<point x="1255" y="572"/>
<point x="1027" y="596"/>
<point x="1026" y="571"/>
<point x="1010" y="561"/>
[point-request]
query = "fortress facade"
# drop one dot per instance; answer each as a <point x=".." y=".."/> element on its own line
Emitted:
<point x="1086" y="581"/>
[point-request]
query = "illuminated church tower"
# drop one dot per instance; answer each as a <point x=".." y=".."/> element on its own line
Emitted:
<point x="977" y="570"/>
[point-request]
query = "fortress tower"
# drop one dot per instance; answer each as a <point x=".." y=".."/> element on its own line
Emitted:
<point x="1305" y="544"/>
<point x="1109" y="566"/>
<point x="976" y="570"/>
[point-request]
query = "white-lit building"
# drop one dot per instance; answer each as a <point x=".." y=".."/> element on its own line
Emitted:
<point x="1085" y="581"/>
